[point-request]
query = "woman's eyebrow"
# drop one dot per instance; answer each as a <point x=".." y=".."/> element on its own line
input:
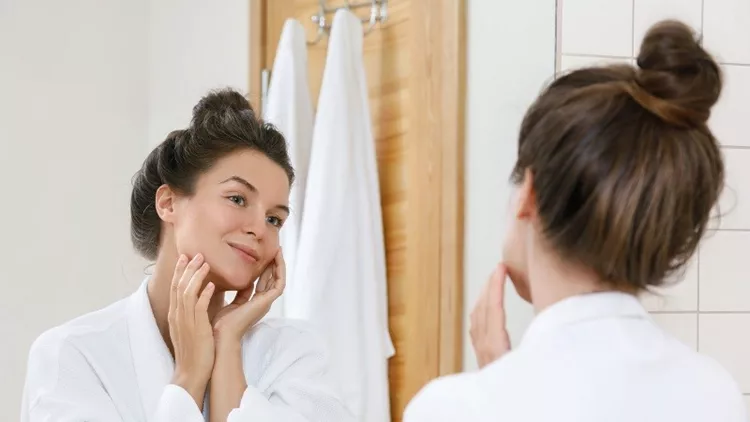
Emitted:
<point x="242" y="181"/>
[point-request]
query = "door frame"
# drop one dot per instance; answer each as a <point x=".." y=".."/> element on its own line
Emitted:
<point x="437" y="89"/>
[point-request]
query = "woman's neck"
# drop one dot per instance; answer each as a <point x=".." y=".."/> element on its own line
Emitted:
<point x="551" y="280"/>
<point x="159" y="286"/>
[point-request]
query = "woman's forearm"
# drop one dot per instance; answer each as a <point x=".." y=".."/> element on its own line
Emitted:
<point x="227" y="381"/>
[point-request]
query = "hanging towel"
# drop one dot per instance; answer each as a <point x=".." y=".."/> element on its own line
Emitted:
<point x="341" y="272"/>
<point x="289" y="108"/>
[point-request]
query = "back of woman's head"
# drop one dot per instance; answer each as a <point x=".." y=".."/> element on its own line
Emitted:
<point x="223" y="122"/>
<point x="625" y="169"/>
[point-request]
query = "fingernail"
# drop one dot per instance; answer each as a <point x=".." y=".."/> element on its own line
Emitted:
<point x="198" y="257"/>
<point x="210" y="285"/>
<point x="181" y="259"/>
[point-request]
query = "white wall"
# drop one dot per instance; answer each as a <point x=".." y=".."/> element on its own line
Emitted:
<point x="511" y="56"/>
<point x="194" y="46"/>
<point x="72" y="130"/>
<point x="87" y="87"/>
<point x="710" y="309"/>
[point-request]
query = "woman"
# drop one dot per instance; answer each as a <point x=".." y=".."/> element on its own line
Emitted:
<point x="617" y="174"/>
<point x="207" y="206"/>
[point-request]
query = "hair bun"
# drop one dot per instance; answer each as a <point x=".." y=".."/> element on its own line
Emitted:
<point x="218" y="109"/>
<point x="674" y="67"/>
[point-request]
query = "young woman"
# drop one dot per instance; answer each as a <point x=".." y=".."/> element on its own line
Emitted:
<point x="207" y="206"/>
<point x="617" y="174"/>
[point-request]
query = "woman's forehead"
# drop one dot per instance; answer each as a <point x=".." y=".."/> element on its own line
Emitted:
<point x="252" y="167"/>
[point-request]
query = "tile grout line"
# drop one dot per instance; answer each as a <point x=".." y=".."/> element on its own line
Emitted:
<point x="605" y="56"/>
<point x="703" y="11"/>
<point x="698" y="302"/>
<point x="632" y="29"/>
<point x="558" y="35"/>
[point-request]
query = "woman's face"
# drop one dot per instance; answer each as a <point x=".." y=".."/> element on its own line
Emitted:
<point x="234" y="217"/>
<point x="517" y="237"/>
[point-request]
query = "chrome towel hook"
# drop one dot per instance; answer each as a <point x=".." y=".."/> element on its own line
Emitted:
<point x="378" y="14"/>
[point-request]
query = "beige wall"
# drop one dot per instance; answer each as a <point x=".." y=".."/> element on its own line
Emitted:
<point x="86" y="88"/>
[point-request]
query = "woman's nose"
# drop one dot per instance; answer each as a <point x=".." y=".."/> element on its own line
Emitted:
<point x="255" y="224"/>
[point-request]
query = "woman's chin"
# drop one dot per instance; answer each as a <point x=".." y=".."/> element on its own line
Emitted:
<point x="232" y="282"/>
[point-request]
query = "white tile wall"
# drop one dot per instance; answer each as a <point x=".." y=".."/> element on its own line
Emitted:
<point x="724" y="337"/>
<point x="729" y="117"/>
<point x="710" y="308"/>
<point x="679" y="295"/>
<point x="683" y="327"/>
<point x="726" y="29"/>
<point x="724" y="277"/>
<point x="734" y="207"/>
<point x="602" y="28"/>
<point x="570" y="62"/>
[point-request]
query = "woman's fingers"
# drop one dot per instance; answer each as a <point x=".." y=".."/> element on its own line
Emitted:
<point x="495" y="296"/>
<point x="264" y="281"/>
<point x="484" y="314"/>
<point x="195" y="284"/>
<point x="192" y="267"/>
<point x="273" y="280"/>
<point x="205" y="298"/>
<point x="279" y="274"/>
<point x="497" y="289"/>
<point x="174" y="289"/>
<point x="481" y="307"/>
<point x="478" y="318"/>
<point x="243" y="296"/>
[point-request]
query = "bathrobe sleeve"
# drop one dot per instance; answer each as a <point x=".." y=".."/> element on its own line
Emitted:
<point x="62" y="386"/>
<point x="297" y="384"/>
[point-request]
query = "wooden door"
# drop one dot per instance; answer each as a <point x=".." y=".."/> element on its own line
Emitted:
<point x="414" y="64"/>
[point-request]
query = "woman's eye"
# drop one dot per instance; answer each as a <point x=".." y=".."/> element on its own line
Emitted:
<point x="237" y="200"/>
<point x="275" y="221"/>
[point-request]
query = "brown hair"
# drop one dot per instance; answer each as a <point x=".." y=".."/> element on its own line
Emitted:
<point x="625" y="169"/>
<point x="223" y="122"/>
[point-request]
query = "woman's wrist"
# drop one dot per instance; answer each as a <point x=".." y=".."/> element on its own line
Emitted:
<point x="194" y="386"/>
<point x="226" y="339"/>
<point x="227" y="346"/>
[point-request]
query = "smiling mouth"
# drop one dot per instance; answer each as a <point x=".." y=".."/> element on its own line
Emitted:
<point x="244" y="255"/>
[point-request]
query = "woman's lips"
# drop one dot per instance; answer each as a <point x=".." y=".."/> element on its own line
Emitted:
<point x="245" y="253"/>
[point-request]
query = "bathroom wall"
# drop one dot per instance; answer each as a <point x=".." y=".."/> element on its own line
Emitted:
<point x="710" y="309"/>
<point x="511" y="56"/>
<point x="194" y="46"/>
<point x="87" y="89"/>
<point x="72" y="133"/>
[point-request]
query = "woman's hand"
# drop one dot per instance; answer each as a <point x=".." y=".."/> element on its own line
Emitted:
<point x="489" y="335"/>
<point x="233" y="321"/>
<point x="190" y="328"/>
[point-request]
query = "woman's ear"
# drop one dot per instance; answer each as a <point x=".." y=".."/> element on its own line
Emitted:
<point x="526" y="201"/>
<point x="165" y="203"/>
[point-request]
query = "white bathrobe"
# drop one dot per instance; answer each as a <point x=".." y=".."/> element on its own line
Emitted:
<point x="590" y="358"/>
<point x="289" y="108"/>
<point x="113" y="365"/>
<point x="340" y="273"/>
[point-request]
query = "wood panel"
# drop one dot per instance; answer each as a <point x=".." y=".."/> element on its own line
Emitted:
<point x="438" y="86"/>
<point x="416" y="81"/>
